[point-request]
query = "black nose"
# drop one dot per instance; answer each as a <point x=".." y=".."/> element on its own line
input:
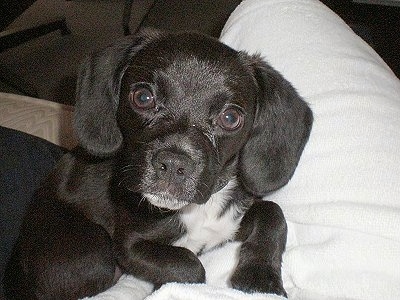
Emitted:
<point x="172" y="166"/>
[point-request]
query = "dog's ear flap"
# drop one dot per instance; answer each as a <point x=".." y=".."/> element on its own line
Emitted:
<point x="281" y="129"/>
<point x="97" y="96"/>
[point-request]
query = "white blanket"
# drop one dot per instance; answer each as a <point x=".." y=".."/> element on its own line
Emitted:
<point x="343" y="202"/>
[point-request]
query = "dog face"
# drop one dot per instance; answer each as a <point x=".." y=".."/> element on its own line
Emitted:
<point x="186" y="113"/>
<point x="187" y="106"/>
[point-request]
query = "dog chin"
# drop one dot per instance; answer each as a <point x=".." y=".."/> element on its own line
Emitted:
<point x="165" y="201"/>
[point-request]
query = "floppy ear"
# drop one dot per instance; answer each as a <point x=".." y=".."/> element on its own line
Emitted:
<point x="97" y="96"/>
<point x="281" y="128"/>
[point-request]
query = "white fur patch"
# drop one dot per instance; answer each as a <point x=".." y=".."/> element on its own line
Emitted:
<point x="205" y="228"/>
<point x="164" y="201"/>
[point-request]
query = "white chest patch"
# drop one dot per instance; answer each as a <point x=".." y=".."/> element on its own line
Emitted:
<point x="205" y="227"/>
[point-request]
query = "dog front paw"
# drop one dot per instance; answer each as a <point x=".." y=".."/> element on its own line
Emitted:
<point x="258" y="279"/>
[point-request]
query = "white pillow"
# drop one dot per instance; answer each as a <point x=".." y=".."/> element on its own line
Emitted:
<point x="343" y="202"/>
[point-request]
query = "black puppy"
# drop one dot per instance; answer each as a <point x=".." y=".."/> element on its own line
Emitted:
<point x="180" y="137"/>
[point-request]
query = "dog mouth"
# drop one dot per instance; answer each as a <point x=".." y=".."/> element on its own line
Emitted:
<point x="163" y="200"/>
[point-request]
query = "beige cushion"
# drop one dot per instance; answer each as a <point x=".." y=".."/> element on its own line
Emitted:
<point x="45" y="119"/>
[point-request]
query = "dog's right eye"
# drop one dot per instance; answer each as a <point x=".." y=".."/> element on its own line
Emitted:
<point x="142" y="98"/>
<point x="230" y="119"/>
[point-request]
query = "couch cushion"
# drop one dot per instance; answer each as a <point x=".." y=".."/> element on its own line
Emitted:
<point x="48" y="120"/>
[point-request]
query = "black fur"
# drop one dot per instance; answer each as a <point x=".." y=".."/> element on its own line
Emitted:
<point x="113" y="204"/>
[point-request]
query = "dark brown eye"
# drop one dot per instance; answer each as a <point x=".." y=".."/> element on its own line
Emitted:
<point x="142" y="98"/>
<point x="230" y="119"/>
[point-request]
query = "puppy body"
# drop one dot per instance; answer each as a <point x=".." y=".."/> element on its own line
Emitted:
<point x="180" y="138"/>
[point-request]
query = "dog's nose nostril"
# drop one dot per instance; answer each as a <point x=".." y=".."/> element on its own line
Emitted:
<point x="172" y="165"/>
<point x="163" y="168"/>
<point x="181" y="171"/>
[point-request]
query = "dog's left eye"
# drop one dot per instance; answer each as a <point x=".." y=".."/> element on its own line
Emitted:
<point x="230" y="119"/>
<point x="142" y="98"/>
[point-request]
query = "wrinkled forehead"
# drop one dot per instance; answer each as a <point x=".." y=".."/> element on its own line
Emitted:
<point x="193" y="74"/>
<point x="192" y="69"/>
<point x="193" y="79"/>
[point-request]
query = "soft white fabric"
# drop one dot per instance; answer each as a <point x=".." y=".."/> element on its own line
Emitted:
<point x="343" y="202"/>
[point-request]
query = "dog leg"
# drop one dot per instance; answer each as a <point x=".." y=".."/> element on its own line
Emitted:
<point x="60" y="255"/>
<point x="160" y="263"/>
<point x="263" y="232"/>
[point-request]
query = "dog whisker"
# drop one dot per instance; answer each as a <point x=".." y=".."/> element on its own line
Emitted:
<point x="215" y="140"/>
<point x="193" y="182"/>
<point x="123" y="179"/>
<point x="127" y="168"/>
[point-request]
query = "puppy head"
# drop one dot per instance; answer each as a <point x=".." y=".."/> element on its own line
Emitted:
<point x="187" y="113"/>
